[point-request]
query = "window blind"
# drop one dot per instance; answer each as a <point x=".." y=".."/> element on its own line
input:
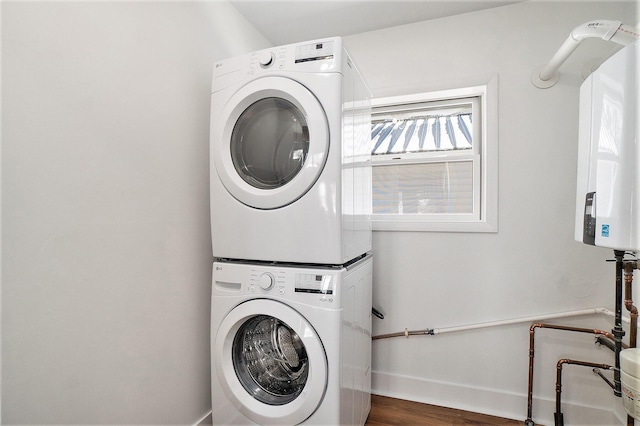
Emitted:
<point x="423" y="188"/>
<point x="395" y="132"/>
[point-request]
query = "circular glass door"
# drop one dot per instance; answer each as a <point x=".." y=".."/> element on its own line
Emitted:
<point x="270" y="143"/>
<point x="270" y="362"/>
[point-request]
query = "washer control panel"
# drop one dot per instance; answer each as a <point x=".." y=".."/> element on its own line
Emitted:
<point x="266" y="281"/>
<point x="308" y="285"/>
<point x="320" y="284"/>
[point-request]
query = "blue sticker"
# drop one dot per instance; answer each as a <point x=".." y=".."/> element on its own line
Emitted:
<point x="605" y="230"/>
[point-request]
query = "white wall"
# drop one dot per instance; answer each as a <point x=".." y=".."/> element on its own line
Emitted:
<point x="531" y="266"/>
<point x="106" y="246"/>
<point x="106" y="258"/>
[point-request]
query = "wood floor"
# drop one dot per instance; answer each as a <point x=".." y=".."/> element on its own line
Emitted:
<point x="391" y="411"/>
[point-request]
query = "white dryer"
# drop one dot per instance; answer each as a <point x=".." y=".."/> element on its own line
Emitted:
<point x="290" y="156"/>
<point x="291" y="345"/>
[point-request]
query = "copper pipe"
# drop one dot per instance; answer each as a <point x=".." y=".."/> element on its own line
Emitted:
<point x="559" y="420"/>
<point x="616" y="336"/>
<point x="532" y="330"/>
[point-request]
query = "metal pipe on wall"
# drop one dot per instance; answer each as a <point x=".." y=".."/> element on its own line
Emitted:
<point x="558" y="416"/>
<point x="612" y="340"/>
<point x="628" y="301"/>
<point x="532" y="330"/>
<point x="628" y="268"/>
<point x="618" y="331"/>
<point x="467" y="327"/>
<point x="616" y="336"/>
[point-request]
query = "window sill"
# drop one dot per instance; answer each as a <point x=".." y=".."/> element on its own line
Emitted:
<point x="405" y="225"/>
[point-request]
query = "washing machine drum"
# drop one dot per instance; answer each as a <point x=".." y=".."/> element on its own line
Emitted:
<point x="270" y="142"/>
<point x="271" y="362"/>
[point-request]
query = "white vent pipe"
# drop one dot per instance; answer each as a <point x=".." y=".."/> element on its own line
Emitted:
<point x="546" y="76"/>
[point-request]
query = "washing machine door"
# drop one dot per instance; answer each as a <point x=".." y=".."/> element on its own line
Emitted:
<point x="270" y="143"/>
<point x="270" y="362"/>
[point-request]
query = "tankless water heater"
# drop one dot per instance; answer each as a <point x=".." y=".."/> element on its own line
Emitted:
<point x="608" y="187"/>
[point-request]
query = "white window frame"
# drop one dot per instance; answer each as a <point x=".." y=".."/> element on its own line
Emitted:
<point x="484" y="156"/>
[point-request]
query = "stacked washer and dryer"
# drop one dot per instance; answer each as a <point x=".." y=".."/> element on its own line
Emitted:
<point x="291" y="231"/>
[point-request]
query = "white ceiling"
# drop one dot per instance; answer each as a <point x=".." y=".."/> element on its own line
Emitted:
<point x="289" y="21"/>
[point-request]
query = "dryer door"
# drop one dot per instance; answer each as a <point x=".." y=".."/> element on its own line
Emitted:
<point x="270" y="143"/>
<point x="270" y="362"/>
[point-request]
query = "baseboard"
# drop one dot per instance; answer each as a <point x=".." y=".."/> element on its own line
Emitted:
<point x="204" y="420"/>
<point x="485" y="401"/>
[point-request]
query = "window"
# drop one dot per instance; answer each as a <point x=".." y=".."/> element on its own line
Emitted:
<point x="434" y="161"/>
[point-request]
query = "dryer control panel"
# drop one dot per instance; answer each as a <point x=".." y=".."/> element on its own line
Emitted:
<point x="267" y="59"/>
<point x="314" y="51"/>
<point x="316" y="56"/>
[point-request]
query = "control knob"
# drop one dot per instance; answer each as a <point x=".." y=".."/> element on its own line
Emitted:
<point x="265" y="59"/>
<point x="266" y="281"/>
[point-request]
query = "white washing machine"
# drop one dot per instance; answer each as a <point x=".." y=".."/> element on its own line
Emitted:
<point x="291" y="345"/>
<point x="290" y="156"/>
